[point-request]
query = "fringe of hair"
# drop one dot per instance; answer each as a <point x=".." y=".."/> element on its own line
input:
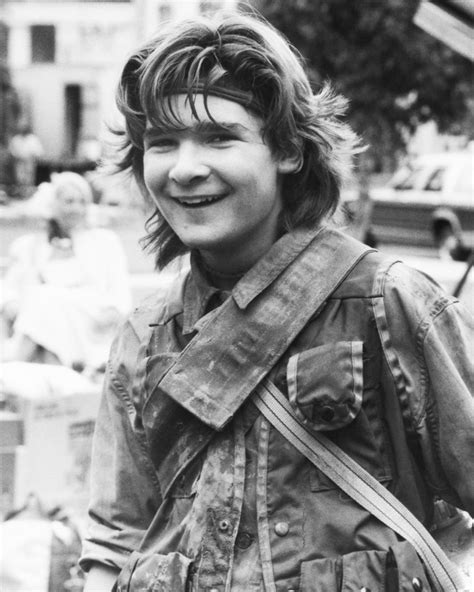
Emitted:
<point x="251" y="55"/>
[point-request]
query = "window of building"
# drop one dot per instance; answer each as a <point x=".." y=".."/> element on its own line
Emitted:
<point x="3" y="41"/>
<point x="43" y="44"/>
<point x="73" y="117"/>
<point x="70" y="1"/>
<point x="209" y="7"/>
<point x="165" y="11"/>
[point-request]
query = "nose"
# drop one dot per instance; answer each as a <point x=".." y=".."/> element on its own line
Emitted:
<point x="188" y="165"/>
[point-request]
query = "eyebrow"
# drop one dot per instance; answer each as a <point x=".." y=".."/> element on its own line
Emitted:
<point x="198" y="127"/>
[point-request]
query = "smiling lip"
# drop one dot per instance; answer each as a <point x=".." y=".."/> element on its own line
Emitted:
<point x="198" y="201"/>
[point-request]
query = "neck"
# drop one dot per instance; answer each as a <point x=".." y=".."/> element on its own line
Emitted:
<point x="224" y="280"/>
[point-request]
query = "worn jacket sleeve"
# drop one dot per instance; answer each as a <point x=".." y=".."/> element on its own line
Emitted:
<point x="124" y="490"/>
<point x="428" y="339"/>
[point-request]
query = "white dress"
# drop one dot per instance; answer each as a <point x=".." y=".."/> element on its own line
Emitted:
<point x="71" y="305"/>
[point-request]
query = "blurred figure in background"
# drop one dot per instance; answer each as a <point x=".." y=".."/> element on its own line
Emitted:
<point x="25" y="148"/>
<point x="65" y="289"/>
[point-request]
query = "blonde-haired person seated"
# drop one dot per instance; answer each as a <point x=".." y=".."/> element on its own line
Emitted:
<point x="66" y="288"/>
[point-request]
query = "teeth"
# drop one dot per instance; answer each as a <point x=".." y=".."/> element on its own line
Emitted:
<point x="204" y="200"/>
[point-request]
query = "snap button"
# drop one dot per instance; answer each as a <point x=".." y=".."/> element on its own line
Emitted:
<point x="282" y="528"/>
<point x="224" y="525"/>
<point x="244" y="540"/>
<point x="364" y="589"/>
<point x="417" y="585"/>
<point x="327" y="413"/>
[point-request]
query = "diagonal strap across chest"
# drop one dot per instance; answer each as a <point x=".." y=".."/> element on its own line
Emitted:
<point x="358" y="484"/>
<point x="239" y="345"/>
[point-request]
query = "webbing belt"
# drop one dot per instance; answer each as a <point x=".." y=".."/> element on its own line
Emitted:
<point x="358" y="484"/>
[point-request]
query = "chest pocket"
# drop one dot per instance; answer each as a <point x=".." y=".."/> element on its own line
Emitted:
<point x="325" y="387"/>
<point x="325" y="384"/>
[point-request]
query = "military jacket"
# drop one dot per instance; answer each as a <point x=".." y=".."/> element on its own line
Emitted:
<point x="195" y="493"/>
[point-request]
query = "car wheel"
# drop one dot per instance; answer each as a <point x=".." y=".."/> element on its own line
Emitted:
<point x="447" y="243"/>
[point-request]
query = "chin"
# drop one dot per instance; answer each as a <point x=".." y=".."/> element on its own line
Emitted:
<point x="205" y="243"/>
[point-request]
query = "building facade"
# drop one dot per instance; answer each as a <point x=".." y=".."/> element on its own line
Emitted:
<point x="65" y="56"/>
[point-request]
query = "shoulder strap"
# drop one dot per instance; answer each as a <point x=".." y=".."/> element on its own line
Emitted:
<point x="357" y="483"/>
<point x="240" y="343"/>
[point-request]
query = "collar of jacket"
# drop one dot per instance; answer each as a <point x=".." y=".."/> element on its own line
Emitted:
<point x="189" y="294"/>
<point x="237" y="345"/>
<point x="196" y="298"/>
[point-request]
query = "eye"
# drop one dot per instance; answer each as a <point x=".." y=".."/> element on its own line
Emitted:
<point x="221" y="138"/>
<point x="160" y="144"/>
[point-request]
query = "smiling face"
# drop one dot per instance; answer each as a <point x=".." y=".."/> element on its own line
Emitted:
<point x="217" y="184"/>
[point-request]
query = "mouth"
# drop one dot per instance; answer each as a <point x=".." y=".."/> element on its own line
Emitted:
<point x="200" y="201"/>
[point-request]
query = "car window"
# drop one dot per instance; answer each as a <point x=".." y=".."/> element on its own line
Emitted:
<point x="464" y="182"/>
<point x="435" y="180"/>
<point x="406" y="178"/>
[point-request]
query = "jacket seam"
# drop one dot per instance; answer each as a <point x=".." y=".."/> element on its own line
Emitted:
<point x="424" y="327"/>
<point x="389" y="352"/>
<point x="131" y="410"/>
<point x="422" y="330"/>
<point x="355" y="297"/>
<point x="426" y="323"/>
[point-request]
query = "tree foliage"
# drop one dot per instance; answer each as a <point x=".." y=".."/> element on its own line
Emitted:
<point x="394" y="73"/>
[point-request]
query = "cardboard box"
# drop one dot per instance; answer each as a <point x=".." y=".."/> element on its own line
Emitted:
<point x="49" y="451"/>
<point x="11" y="437"/>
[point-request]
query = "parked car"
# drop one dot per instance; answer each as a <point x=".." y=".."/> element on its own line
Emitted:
<point x="429" y="202"/>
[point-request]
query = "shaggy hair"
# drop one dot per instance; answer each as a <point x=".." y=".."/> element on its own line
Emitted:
<point x="245" y="53"/>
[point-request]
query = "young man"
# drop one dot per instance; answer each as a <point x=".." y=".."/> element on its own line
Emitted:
<point x="193" y="488"/>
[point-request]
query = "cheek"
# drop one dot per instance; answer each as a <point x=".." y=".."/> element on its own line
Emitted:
<point x="153" y="172"/>
<point x="263" y="179"/>
<point x="154" y="181"/>
<point x="147" y="177"/>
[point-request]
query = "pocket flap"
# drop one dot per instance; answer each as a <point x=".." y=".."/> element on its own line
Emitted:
<point x="325" y="384"/>
<point x="363" y="570"/>
<point x="409" y="567"/>
<point x="360" y="570"/>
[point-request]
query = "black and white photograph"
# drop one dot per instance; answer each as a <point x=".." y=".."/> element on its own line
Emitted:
<point x="236" y="296"/>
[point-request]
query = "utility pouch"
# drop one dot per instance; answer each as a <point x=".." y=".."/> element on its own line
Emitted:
<point x="397" y="570"/>
<point x="145" y="572"/>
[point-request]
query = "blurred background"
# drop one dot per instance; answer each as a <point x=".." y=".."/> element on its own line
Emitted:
<point x="405" y="66"/>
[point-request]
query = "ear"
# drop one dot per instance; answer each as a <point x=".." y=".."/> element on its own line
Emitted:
<point x="290" y="164"/>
